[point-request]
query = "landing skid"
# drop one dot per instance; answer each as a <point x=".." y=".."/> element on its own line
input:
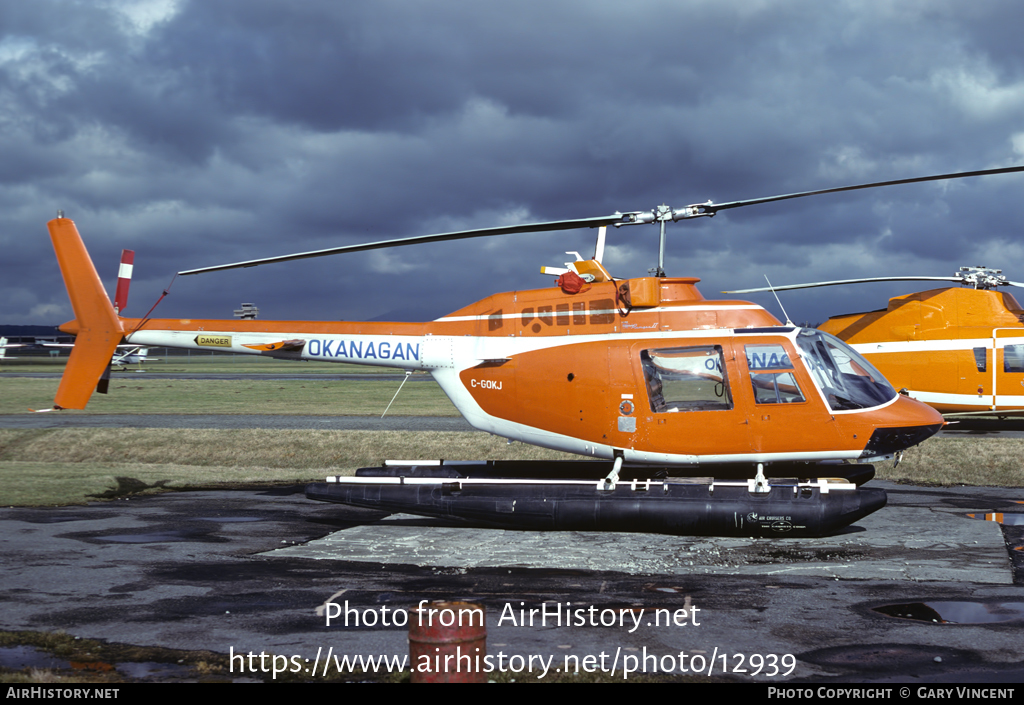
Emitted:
<point x="596" y="469"/>
<point x="490" y="494"/>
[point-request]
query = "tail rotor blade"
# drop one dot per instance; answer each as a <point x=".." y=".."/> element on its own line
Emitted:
<point x="124" y="280"/>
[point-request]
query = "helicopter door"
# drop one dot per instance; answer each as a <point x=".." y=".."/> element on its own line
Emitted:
<point x="686" y="404"/>
<point x="787" y="410"/>
<point x="1007" y="368"/>
<point x="976" y="379"/>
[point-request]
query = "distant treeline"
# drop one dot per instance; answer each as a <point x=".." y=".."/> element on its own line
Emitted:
<point x="28" y="331"/>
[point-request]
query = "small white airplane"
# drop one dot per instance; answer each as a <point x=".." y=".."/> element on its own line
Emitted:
<point x="3" y="348"/>
<point x="134" y="355"/>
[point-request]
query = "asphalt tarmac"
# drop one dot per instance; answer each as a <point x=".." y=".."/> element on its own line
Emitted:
<point x="251" y="570"/>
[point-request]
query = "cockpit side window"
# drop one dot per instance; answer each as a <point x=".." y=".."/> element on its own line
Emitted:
<point x="1013" y="358"/>
<point x="772" y="383"/>
<point x="686" y="379"/>
<point x="979" y="358"/>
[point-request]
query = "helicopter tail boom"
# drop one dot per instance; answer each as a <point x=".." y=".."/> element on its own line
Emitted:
<point x="96" y="325"/>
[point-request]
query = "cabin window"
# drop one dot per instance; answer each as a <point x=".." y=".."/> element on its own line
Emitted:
<point x="771" y="382"/>
<point x="686" y="379"/>
<point x="979" y="358"/>
<point x="1013" y="358"/>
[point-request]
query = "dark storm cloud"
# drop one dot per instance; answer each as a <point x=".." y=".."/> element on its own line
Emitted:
<point x="203" y="132"/>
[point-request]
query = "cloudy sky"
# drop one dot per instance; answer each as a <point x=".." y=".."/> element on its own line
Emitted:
<point x="210" y="131"/>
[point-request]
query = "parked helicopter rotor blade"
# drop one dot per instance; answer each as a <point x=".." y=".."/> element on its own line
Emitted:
<point x="419" y="239"/>
<point x="842" y="281"/>
<point x="712" y="208"/>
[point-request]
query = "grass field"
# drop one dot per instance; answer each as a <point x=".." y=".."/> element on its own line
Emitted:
<point x="73" y="466"/>
<point x="61" y="466"/>
<point x="205" y="363"/>
<point x="148" y="394"/>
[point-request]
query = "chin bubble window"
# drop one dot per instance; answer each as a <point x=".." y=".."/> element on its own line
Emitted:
<point x="686" y="379"/>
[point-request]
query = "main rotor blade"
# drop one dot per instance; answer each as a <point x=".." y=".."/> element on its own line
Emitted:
<point x="661" y="214"/>
<point x="441" y="237"/>
<point x="712" y="208"/>
<point x="844" y="281"/>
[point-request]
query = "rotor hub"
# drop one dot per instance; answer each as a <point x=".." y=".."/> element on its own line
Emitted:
<point x="981" y="277"/>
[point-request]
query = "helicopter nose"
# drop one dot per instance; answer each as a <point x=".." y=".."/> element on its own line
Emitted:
<point x="904" y="424"/>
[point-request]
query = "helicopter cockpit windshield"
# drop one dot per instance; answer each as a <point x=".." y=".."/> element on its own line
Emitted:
<point x="847" y="380"/>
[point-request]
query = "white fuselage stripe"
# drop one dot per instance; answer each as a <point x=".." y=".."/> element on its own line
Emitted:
<point x="907" y="346"/>
<point x="972" y="400"/>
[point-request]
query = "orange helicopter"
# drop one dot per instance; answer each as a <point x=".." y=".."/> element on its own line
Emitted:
<point x="644" y="374"/>
<point x="957" y="349"/>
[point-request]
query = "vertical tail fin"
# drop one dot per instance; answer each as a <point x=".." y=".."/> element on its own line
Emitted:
<point x="96" y="326"/>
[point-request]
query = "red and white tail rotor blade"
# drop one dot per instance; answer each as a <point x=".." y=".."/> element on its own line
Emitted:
<point x="124" y="280"/>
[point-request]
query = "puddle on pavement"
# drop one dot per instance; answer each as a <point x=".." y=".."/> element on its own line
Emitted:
<point x="17" y="658"/>
<point x="954" y="612"/>
<point x="152" y="669"/>
<point x="65" y="518"/>
<point x="1004" y="517"/>
<point x="154" y="537"/>
<point x="877" y="659"/>
<point x="654" y="587"/>
<point x="228" y="520"/>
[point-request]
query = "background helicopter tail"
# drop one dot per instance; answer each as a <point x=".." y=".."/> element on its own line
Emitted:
<point x="96" y="325"/>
